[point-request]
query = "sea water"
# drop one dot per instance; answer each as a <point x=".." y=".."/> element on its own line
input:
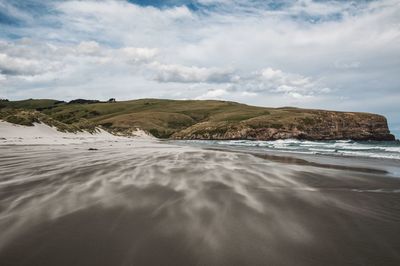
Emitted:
<point x="372" y="149"/>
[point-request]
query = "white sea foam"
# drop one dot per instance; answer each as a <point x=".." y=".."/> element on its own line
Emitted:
<point x="389" y="150"/>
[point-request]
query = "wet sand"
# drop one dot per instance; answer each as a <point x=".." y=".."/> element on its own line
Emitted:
<point x="149" y="203"/>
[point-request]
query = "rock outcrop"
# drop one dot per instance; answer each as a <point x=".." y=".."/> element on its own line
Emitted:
<point x="321" y="125"/>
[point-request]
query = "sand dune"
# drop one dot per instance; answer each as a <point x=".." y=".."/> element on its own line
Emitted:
<point x="40" y="134"/>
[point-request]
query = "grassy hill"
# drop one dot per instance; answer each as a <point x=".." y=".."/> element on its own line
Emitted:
<point x="188" y="119"/>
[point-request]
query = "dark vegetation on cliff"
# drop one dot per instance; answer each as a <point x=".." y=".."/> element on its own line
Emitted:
<point x="192" y="119"/>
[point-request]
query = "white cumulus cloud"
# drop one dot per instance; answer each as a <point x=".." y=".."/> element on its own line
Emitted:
<point x="190" y="74"/>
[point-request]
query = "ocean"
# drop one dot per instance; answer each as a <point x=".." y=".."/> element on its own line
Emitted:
<point x="369" y="149"/>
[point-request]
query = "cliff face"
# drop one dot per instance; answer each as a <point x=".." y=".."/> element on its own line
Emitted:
<point x="322" y="125"/>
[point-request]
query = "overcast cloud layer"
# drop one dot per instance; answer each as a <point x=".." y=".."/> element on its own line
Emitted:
<point x="339" y="55"/>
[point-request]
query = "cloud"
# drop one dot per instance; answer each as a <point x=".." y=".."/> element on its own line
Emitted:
<point x="190" y="74"/>
<point x="343" y="64"/>
<point x="139" y="54"/>
<point x="323" y="54"/>
<point x="88" y="47"/>
<point x="213" y="94"/>
<point x="293" y="84"/>
<point x="276" y="81"/>
<point x="19" y="66"/>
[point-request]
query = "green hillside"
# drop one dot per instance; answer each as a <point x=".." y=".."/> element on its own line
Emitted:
<point x="173" y="118"/>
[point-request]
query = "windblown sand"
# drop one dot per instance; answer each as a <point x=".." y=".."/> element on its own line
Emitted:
<point x="143" y="202"/>
<point x="41" y="134"/>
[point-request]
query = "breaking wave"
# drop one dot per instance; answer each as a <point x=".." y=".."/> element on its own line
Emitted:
<point x="372" y="149"/>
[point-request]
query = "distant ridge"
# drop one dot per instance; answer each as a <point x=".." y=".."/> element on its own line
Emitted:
<point x="195" y="119"/>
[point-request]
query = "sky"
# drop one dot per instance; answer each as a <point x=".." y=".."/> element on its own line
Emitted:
<point x="337" y="55"/>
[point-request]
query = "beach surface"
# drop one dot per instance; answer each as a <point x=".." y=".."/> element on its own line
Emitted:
<point x="82" y="199"/>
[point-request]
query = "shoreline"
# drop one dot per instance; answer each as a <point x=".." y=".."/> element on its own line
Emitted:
<point x="148" y="202"/>
<point x="42" y="134"/>
<point x="389" y="165"/>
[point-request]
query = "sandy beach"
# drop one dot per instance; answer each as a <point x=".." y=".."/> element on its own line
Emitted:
<point x="106" y="200"/>
<point x="199" y="133"/>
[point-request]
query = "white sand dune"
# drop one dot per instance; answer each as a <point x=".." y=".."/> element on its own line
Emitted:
<point x="40" y="134"/>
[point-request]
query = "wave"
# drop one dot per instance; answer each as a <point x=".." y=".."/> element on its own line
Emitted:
<point x="371" y="149"/>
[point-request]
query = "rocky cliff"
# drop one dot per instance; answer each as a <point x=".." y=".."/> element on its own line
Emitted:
<point x="320" y="125"/>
